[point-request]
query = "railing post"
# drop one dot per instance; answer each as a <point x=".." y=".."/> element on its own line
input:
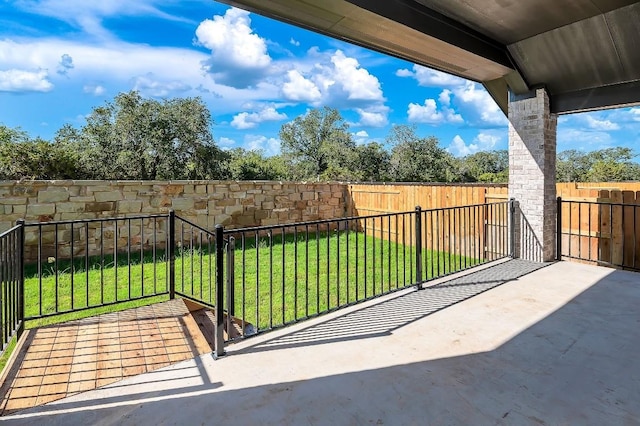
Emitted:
<point x="219" y="329"/>
<point x="512" y="227"/>
<point x="231" y="247"/>
<point x="419" y="247"/>
<point x="21" y="301"/>
<point x="559" y="229"/>
<point x="172" y="254"/>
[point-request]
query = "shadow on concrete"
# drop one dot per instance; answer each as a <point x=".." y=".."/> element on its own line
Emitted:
<point x="577" y="365"/>
<point x="405" y="308"/>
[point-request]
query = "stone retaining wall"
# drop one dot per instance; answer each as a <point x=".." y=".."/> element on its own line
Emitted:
<point x="206" y="203"/>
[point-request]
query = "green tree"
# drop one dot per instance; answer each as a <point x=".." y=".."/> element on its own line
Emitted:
<point x="319" y="145"/>
<point x="485" y="166"/>
<point x="22" y="157"/>
<point x="253" y="165"/>
<point x="418" y="159"/>
<point x="374" y="162"/>
<point x="136" y="138"/>
<point x="609" y="164"/>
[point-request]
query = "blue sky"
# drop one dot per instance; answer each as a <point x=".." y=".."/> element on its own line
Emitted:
<point x="61" y="58"/>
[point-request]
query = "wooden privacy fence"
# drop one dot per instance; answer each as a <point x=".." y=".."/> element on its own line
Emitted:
<point x="600" y="221"/>
<point x="476" y="231"/>
<point x="601" y="226"/>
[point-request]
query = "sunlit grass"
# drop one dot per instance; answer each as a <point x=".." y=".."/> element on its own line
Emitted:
<point x="277" y="279"/>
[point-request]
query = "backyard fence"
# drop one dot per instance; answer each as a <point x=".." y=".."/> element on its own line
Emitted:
<point x="602" y="231"/>
<point x="262" y="277"/>
<point x="11" y="284"/>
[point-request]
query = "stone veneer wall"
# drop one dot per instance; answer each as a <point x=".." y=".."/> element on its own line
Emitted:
<point x="206" y="203"/>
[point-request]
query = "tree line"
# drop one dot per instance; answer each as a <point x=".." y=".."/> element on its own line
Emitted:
<point x="133" y="138"/>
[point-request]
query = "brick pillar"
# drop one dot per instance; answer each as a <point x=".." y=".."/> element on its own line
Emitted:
<point x="532" y="174"/>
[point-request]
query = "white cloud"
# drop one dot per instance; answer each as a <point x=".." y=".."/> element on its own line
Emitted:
<point x="360" y="137"/>
<point x="475" y="97"/>
<point x="148" y="85"/>
<point x="298" y="88"/>
<point x="332" y="78"/>
<point x="294" y="42"/>
<point x="604" y="125"/>
<point x="246" y="120"/>
<point x="65" y="64"/>
<point x="94" y="89"/>
<point x="482" y="142"/>
<point x="429" y="113"/>
<point x="15" y="80"/>
<point x="226" y="143"/>
<point x="374" y="116"/>
<point x="459" y="148"/>
<point x="356" y="81"/>
<point x="270" y="146"/>
<point x="88" y="15"/>
<point x="239" y="57"/>
<point x="445" y="97"/>
<point x="584" y="140"/>
<point x="428" y="77"/>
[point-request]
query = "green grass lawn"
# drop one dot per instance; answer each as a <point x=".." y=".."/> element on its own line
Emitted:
<point x="283" y="278"/>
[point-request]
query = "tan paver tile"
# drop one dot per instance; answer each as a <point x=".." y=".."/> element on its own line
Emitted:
<point x="133" y="370"/>
<point x="82" y="376"/>
<point x="61" y="360"/>
<point x="52" y="389"/>
<point x="85" y="358"/>
<point x="16" y="404"/>
<point x="108" y="373"/>
<point x="45" y="399"/>
<point x="53" y="379"/>
<point x="21" y="382"/>
<point x="81" y="386"/>
<point x="25" y="391"/>
<point x="31" y="372"/>
<point x="58" y="369"/>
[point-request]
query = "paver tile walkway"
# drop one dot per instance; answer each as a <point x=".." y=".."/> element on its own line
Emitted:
<point x="64" y="359"/>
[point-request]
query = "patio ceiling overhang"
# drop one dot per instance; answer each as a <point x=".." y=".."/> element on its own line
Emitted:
<point x="586" y="53"/>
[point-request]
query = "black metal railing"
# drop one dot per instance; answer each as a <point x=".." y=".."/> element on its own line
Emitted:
<point x="85" y="264"/>
<point x="260" y="278"/>
<point x="603" y="233"/>
<point x="11" y="284"/>
<point x="282" y="274"/>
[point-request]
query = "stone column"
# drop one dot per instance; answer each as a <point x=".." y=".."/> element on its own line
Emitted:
<point x="532" y="174"/>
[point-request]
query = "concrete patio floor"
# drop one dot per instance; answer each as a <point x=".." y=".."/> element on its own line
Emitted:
<point x="559" y="345"/>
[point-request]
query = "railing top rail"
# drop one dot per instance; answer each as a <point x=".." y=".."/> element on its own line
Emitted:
<point x="101" y="219"/>
<point x="601" y="203"/>
<point x="349" y="218"/>
<point x="9" y="231"/>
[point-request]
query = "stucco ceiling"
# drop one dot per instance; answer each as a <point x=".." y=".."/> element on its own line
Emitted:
<point x="585" y="52"/>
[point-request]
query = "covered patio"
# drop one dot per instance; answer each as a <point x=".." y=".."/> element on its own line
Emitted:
<point x="537" y="344"/>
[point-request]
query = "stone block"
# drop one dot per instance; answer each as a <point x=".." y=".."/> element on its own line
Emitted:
<point x="261" y="214"/>
<point x="182" y="203"/>
<point x="52" y="196"/>
<point x="129" y="206"/>
<point x="108" y="196"/>
<point x="108" y="206"/>
<point x="234" y="210"/>
<point x="41" y="209"/>
<point x="70" y="207"/>
<point x="172" y="189"/>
